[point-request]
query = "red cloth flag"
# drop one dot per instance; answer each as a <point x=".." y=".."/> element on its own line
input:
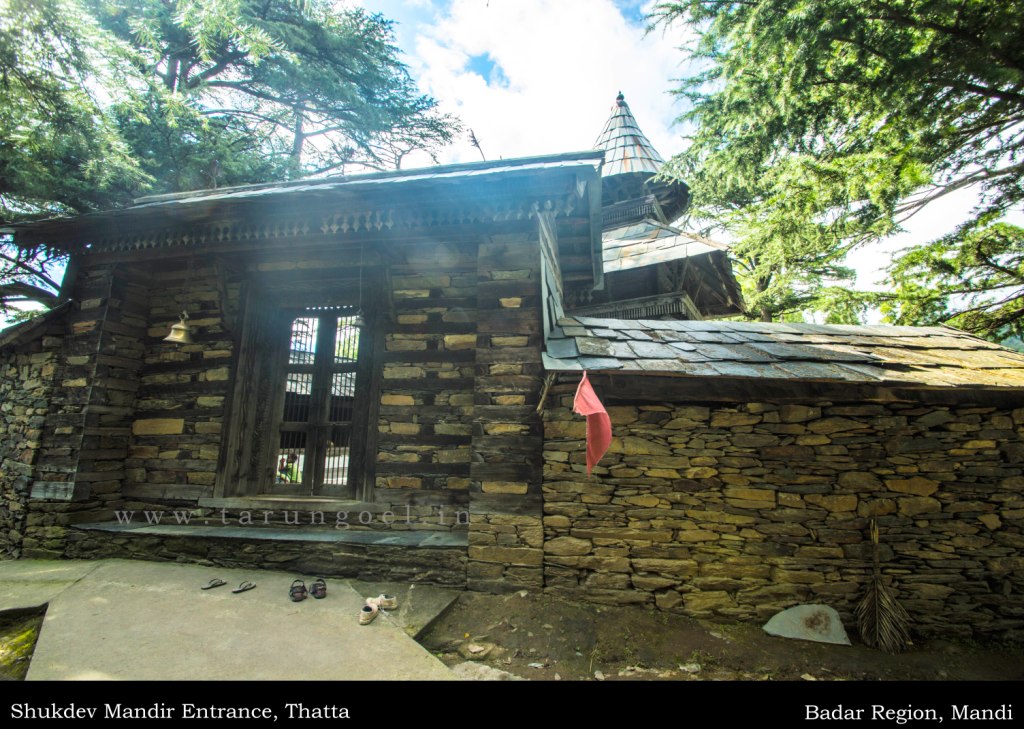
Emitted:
<point x="599" y="426"/>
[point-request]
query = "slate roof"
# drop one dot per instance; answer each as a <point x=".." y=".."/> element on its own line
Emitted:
<point x="189" y="207"/>
<point x="376" y="179"/>
<point x="648" y="242"/>
<point x="627" y="149"/>
<point x="911" y="356"/>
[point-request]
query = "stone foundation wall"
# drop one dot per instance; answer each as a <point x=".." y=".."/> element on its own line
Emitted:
<point x="445" y="566"/>
<point x="736" y="512"/>
<point x="51" y="532"/>
<point x="49" y="523"/>
<point x="358" y="516"/>
<point x="506" y="552"/>
<point x="26" y="382"/>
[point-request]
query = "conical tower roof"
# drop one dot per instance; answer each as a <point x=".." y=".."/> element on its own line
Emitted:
<point x="630" y="161"/>
<point x="627" y="150"/>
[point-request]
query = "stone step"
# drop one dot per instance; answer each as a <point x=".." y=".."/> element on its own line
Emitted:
<point x="404" y="538"/>
<point x="421" y="557"/>
<point x="419" y="606"/>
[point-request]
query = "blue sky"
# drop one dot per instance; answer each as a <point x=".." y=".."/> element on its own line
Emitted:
<point x="536" y="76"/>
<point x="533" y="77"/>
<point x="539" y="77"/>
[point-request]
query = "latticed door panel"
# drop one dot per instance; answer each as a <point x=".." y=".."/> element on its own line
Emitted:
<point x="318" y="412"/>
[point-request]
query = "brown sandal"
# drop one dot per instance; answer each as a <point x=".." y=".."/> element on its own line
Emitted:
<point x="297" y="592"/>
<point x="318" y="589"/>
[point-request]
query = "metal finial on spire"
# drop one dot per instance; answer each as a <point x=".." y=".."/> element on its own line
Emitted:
<point x="620" y="100"/>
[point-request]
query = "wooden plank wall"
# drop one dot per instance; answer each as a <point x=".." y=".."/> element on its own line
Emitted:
<point x="86" y="437"/>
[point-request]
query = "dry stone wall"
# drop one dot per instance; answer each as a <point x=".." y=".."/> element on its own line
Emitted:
<point x="738" y="511"/>
<point x="79" y="470"/>
<point x="26" y="382"/>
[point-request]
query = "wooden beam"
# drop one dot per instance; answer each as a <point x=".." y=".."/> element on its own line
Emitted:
<point x="627" y="387"/>
<point x="413" y="469"/>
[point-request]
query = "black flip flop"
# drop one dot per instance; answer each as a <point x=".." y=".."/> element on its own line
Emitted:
<point x="215" y="582"/>
<point x="244" y="587"/>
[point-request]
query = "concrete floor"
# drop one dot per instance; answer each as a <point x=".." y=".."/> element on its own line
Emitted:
<point x="124" y="619"/>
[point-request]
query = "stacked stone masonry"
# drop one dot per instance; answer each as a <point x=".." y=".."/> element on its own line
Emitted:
<point x="505" y="534"/>
<point x="26" y="381"/>
<point x="87" y="433"/>
<point x="737" y="512"/>
<point x="437" y="566"/>
<point x="140" y="421"/>
<point x="426" y="397"/>
<point x="505" y="552"/>
<point x="444" y="429"/>
<point x="179" y="412"/>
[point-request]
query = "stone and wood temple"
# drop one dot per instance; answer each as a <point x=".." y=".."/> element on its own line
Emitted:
<point x="379" y="383"/>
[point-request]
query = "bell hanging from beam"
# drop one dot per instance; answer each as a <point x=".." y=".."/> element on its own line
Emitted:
<point x="359" y="321"/>
<point x="181" y="333"/>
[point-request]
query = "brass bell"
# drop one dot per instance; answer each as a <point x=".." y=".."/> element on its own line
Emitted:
<point x="181" y="333"/>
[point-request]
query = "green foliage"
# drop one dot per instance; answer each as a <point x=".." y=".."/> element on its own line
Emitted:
<point x="842" y="305"/>
<point x="181" y="149"/>
<point x="823" y="124"/>
<point x="319" y="86"/>
<point x="101" y="100"/>
<point x="28" y="278"/>
<point x="59" y="153"/>
<point x="972" y="279"/>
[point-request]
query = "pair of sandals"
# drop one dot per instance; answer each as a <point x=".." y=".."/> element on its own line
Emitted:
<point x="374" y="605"/>
<point x="217" y="582"/>
<point x="298" y="592"/>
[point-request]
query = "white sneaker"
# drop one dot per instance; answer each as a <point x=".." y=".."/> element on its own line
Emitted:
<point x="383" y="602"/>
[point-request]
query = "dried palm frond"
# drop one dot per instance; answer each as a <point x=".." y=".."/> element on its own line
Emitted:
<point x="882" y="621"/>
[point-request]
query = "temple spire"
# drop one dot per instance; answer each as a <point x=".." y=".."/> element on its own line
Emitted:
<point x="627" y="150"/>
<point x="630" y="163"/>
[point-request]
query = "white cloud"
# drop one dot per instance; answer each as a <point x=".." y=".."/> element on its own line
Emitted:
<point x="556" y="70"/>
<point x="537" y="77"/>
<point x="935" y="220"/>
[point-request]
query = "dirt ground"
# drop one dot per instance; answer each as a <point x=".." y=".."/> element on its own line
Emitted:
<point x="533" y="636"/>
<point x="539" y="637"/>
